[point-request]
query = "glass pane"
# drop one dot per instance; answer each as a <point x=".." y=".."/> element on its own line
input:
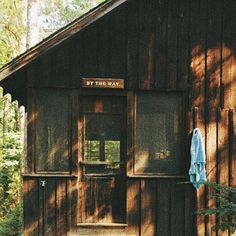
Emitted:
<point x="112" y="151"/>
<point x="102" y="143"/>
<point x="52" y="148"/>
<point x="157" y="148"/>
<point x="91" y="150"/>
<point x="102" y="127"/>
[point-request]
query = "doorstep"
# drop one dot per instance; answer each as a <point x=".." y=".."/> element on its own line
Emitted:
<point x="102" y="229"/>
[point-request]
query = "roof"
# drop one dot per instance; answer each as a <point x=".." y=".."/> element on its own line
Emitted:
<point x="58" y="37"/>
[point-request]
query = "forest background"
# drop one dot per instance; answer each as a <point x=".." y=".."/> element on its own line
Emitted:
<point x="23" y="23"/>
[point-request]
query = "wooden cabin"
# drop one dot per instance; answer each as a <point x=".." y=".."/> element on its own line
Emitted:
<point x="111" y="102"/>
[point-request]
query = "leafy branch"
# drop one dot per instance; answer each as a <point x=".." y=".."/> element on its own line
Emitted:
<point x="225" y="209"/>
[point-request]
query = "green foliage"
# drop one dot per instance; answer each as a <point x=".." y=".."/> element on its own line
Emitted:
<point x="225" y="210"/>
<point x="11" y="29"/>
<point x="58" y="13"/>
<point x="10" y="184"/>
<point x="11" y="216"/>
<point x="12" y="224"/>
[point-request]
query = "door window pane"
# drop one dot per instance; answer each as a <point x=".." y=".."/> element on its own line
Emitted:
<point x="102" y="143"/>
<point x="157" y="139"/>
<point x="112" y="150"/>
<point x="91" y="150"/>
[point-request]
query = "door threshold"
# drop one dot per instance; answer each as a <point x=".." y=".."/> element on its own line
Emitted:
<point x="102" y="225"/>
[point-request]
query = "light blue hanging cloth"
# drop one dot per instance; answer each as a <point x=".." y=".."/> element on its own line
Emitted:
<point x="197" y="171"/>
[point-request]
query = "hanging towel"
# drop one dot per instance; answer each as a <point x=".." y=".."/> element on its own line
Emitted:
<point x="197" y="171"/>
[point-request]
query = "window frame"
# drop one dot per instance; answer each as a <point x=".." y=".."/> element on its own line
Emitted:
<point x="36" y="101"/>
<point x="182" y="135"/>
<point x="122" y="114"/>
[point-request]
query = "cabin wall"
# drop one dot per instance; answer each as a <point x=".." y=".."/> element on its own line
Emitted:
<point x="165" y="45"/>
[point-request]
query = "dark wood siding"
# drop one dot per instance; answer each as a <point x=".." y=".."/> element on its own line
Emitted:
<point x="48" y="205"/>
<point x="165" y="45"/>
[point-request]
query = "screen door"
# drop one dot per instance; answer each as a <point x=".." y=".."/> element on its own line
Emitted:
<point x="102" y="138"/>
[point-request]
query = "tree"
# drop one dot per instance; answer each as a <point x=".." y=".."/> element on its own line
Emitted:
<point x="11" y="29"/>
<point x="225" y="210"/>
<point x="11" y="142"/>
<point x="58" y="13"/>
<point x="32" y="24"/>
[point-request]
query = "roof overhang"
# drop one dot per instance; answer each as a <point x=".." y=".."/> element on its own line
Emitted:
<point x="58" y="37"/>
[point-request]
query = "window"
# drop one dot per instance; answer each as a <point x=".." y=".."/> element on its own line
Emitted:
<point x="158" y="130"/>
<point x="52" y="131"/>
<point x="102" y="126"/>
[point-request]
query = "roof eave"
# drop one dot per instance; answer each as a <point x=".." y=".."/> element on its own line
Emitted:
<point x="58" y="37"/>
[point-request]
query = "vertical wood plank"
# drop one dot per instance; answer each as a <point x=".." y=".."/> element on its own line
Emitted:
<point x="81" y="196"/>
<point x="31" y="207"/>
<point x="43" y="70"/>
<point x="223" y="152"/>
<point x="31" y="117"/>
<point x="130" y="131"/>
<point x="60" y="75"/>
<point x="61" y="208"/>
<point x="161" y="44"/>
<point x="76" y="58"/>
<point x="200" y="193"/>
<point x="183" y="47"/>
<point x="50" y="207"/>
<point x="132" y="44"/>
<point x="164" y="207"/>
<point x="173" y="6"/>
<point x="89" y="64"/>
<point x="103" y="47"/>
<point x="72" y="204"/>
<point x="133" y="207"/>
<point x="233" y="147"/>
<point x="74" y="107"/>
<point x="213" y="59"/>
<point x="228" y="53"/>
<point x="172" y="209"/>
<point x="189" y="217"/>
<point x="31" y="74"/>
<point x="211" y="163"/>
<point x="177" y="206"/>
<point x="223" y="146"/>
<point x="198" y="48"/>
<point x="42" y="208"/>
<point x="198" y="16"/>
<point x="146" y="43"/>
<point x="148" y="207"/>
<point x="119" y="200"/>
<point x="118" y="43"/>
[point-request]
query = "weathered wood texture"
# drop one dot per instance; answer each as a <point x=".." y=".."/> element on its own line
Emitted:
<point x="48" y="205"/>
<point x="99" y="206"/>
<point x="159" y="207"/>
<point x="164" y="45"/>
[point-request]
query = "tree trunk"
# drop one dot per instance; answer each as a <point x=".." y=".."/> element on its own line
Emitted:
<point x="6" y="103"/>
<point x="32" y="15"/>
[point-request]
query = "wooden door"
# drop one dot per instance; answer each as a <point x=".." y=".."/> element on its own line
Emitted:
<point x="102" y="135"/>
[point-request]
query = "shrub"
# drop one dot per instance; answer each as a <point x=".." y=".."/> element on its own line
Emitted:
<point x="12" y="223"/>
<point x="225" y="209"/>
